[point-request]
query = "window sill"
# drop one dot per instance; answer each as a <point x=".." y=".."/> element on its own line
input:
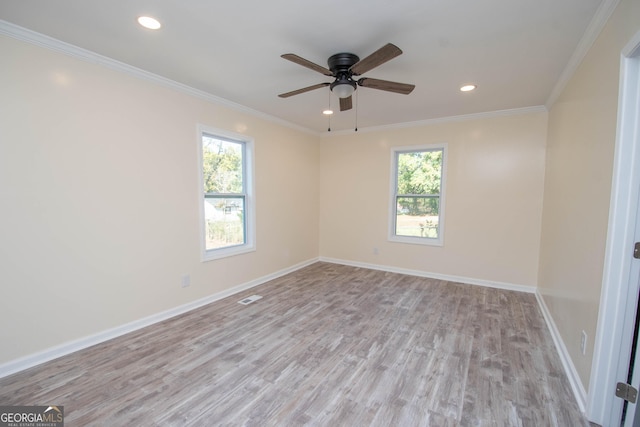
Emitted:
<point x="425" y="241"/>
<point x="213" y="254"/>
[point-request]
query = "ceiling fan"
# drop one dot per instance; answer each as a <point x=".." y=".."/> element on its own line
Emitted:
<point x="344" y="67"/>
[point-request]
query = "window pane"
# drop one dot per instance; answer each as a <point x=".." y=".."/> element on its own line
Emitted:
<point x="222" y="166"/>
<point x="417" y="216"/>
<point x="224" y="219"/>
<point x="419" y="172"/>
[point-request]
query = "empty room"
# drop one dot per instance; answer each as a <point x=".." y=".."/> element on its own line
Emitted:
<point x="328" y="214"/>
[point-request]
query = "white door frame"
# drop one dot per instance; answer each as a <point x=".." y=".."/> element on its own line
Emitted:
<point x="618" y="300"/>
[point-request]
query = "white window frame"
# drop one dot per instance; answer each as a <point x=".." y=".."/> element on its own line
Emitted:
<point x="249" y="184"/>
<point x="429" y="241"/>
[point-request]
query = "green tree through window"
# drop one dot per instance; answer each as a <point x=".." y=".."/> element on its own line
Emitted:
<point x="417" y="196"/>
<point x="222" y="165"/>
<point x="224" y="192"/>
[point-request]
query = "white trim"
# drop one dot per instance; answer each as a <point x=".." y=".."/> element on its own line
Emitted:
<point x="570" y="370"/>
<point x="430" y="275"/>
<point x="617" y="301"/>
<point x="567" y="363"/>
<point x="393" y="186"/>
<point x="41" y="40"/>
<point x="440" y="120"/>
<point x="31" y="360"/>
<point x="592" y="32"/>
<point x="248" y="160"/>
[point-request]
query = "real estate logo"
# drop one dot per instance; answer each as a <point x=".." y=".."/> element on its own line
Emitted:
<point x="32" y="416"/>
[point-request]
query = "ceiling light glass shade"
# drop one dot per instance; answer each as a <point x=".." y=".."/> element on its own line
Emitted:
<point x="149" y="22"/>
<point x="343" y="90"/>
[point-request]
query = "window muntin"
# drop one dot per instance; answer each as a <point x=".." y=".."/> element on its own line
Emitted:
<point x="226" y="205"/>
<point x="417" y="195"/>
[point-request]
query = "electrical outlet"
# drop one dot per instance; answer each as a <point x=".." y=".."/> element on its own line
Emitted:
<point x="375" y="251"/>
<point x="185" y="280"/>
<point x="583" y="342"/>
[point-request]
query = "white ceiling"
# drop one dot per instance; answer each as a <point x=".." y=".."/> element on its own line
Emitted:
<point x="516" y="51"/>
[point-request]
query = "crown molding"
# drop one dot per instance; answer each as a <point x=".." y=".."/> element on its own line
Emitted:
<point x="440" y="120"/>
<point x="593" y="30"/>
<point x="25" y="35"/>
<point x="590" y="35"/>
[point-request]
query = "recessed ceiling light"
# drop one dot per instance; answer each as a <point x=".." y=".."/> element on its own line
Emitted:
<point x="149" y="22"/>
<point x="327" y="112"/>
<point x="467" y="88"/>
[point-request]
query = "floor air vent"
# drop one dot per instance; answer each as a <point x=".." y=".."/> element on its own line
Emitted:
<point x="249" y="300"/>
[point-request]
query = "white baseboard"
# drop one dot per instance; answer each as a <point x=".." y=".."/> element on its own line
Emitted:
<point x="31" y="360"/>
<point x="569" y="368"/>
<point x="567" y="363"/>
<point x="419" y="273"/>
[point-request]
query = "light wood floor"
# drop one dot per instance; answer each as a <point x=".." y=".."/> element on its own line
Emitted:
<point x="328" y="345"/>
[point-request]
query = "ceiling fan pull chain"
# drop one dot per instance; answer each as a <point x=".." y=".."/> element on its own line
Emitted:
<point x="357" y="96"/>
<point x="331" y="114"/>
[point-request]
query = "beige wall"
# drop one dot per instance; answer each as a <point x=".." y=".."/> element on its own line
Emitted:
<point x="581" y="139"/>
<point x="493" y="198"/>
<point x="99" y="196"/>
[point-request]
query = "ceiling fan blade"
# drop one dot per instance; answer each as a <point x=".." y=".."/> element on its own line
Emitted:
<point x="303" y="90"/>
<point x="380" y="56"/>
<point x="403" y="88"/>
<point x="305" y="63"/>
<point x="346" y="103"/>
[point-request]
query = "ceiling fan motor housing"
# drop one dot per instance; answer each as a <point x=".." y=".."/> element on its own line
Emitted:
<point x="339" y="64"/>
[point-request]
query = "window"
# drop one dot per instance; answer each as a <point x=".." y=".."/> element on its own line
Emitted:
<point x="226" y="208"/>
<point x="417" y="194"/>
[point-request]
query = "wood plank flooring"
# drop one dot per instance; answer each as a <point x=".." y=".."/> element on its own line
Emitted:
<point x="328" y="345"/>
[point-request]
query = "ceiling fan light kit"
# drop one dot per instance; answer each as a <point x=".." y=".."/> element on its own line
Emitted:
<point x="343" y="88"/>
<point x="343" y="67"/>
